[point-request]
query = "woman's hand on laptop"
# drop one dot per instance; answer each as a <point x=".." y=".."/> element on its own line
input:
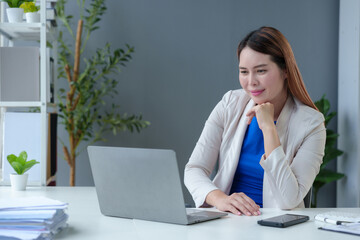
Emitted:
<point x="236" y="203"/>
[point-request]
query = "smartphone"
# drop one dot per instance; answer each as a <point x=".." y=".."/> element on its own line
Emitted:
<point x="283" y="221"/>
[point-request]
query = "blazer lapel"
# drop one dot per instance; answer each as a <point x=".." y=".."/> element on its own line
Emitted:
<point x="232" y="158"/>
<point x="283" y="121"/>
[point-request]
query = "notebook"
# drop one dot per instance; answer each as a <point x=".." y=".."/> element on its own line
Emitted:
<point x="339" y="221"/>
<point x="350" y="228"/>
<point x="338" y="217"/>
<point x="142" y="184"/>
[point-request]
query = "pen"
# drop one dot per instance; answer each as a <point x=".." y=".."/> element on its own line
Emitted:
<point x="332" y="221"/>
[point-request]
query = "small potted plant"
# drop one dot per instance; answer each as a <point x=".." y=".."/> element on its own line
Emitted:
<point x="14" y="12"/>
<point x="20" y="165"/>
<point x="31" y="12"/>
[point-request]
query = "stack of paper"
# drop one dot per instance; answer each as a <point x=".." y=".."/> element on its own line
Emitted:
<point x="31" y="218"/>
<point x="351" y="228"/>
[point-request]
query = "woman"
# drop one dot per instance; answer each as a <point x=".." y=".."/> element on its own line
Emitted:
<point x="267" y="138"/>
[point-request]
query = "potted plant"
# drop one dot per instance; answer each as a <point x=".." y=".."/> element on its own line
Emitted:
<point x="31" y="11"/>
<point x="20" y="165"/>
<point x="331" y="152"/>
<point x="14" y="12"/>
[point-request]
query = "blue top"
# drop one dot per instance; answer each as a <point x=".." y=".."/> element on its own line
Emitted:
<point x="249" y="173"/>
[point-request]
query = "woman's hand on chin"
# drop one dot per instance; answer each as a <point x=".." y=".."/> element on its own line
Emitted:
<point x="265" y="117"/>
<point x="264" y="114"/>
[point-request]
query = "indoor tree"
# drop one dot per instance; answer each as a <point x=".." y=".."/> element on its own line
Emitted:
<point x="90" y="81"/>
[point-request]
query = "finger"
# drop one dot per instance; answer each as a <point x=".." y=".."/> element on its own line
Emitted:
<point x="234" y="210"/>
<point x="250" y="119"/>
<point x="247" y="205"/>
<point x="252" y="111"/>
<point x="248" y="209"/>
<point x="253" y="207"/>
<point x="250" y="201"/>
<point x="259" y="212"/>
<point x="244" y="208"/>
<point x="250" y="116"/>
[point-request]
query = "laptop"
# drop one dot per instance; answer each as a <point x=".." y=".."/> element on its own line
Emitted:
<point x="142" y="184"/>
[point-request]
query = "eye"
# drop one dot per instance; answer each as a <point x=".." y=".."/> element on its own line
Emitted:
<point x="243" y="71"/>
<point x="261" y="71"/>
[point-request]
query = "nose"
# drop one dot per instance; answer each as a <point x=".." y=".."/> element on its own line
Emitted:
<point x="252" y="79"/>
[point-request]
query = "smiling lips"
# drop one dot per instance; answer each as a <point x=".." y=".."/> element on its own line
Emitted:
<point x="257" y="92"/>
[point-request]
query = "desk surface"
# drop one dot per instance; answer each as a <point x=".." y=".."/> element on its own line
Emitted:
<point x="86" y="221"/>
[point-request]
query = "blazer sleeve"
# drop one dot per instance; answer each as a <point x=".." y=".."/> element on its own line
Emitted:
<point x="205" y="155"/>
<point x="291" y="179"/>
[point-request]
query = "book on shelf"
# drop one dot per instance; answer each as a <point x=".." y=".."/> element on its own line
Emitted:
<point x="51" y="16"/>
<point x="51" y="152"/>
<point x="50" y="77"/>
<point x="50" y="9"/>
<point x="49" y="3"/>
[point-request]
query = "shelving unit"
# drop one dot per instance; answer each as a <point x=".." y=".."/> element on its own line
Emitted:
<point x="24" y="31"/>
<point x="41" y="32"/>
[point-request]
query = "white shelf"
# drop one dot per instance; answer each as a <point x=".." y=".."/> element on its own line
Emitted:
<point x="24" y="31"/>
<point x="42" y="32"/>
<point x="20" y="104"/>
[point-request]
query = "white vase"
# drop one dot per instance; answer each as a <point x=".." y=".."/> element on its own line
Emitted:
<point x="15" y="15"/>
<point x="18" y="182"/>
<point x="32" y="17"/>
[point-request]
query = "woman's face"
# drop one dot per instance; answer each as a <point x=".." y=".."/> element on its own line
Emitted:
<point x="261" y="78"/>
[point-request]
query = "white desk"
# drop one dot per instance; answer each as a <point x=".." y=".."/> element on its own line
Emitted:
<point x="86" y="222"/>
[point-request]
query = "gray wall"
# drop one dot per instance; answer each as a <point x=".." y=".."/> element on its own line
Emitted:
<point x="185" y="60"/>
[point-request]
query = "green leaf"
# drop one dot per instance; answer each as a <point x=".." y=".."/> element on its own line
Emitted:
<point x="317" y="185"/>
<point x="327" y="176"/>
<point x="323" y="105"/>
<point x="49" y="45"/>
<point x="329" y="117"/>
<point x="22" y="157"/>
<point x="11" y="158"/>
<point x="18" y="167"/>
<point x="29" y="165"/>
<point x="330" y="155"/>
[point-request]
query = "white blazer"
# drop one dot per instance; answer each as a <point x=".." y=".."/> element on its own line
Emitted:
<point x="290" y="169"/>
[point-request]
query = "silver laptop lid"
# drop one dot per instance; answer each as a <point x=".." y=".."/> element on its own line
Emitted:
<point x="138" y="183"/>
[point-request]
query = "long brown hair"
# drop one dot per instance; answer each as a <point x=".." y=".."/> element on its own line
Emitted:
<point x="270" y="41"/>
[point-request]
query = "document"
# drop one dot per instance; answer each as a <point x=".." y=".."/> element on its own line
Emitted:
<point x="31" y="218"/>
<point x="351" y="228"/>
<point x="31" y="203"/>
<point x="23" y="235"/>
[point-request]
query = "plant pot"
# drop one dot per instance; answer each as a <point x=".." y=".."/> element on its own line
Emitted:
<point x="18" y="182"/>
<point x="15" y="15"/>
<point x="32" y="17"/>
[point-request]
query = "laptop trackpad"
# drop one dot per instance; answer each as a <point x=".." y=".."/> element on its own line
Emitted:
<point x="195" y="215"/>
